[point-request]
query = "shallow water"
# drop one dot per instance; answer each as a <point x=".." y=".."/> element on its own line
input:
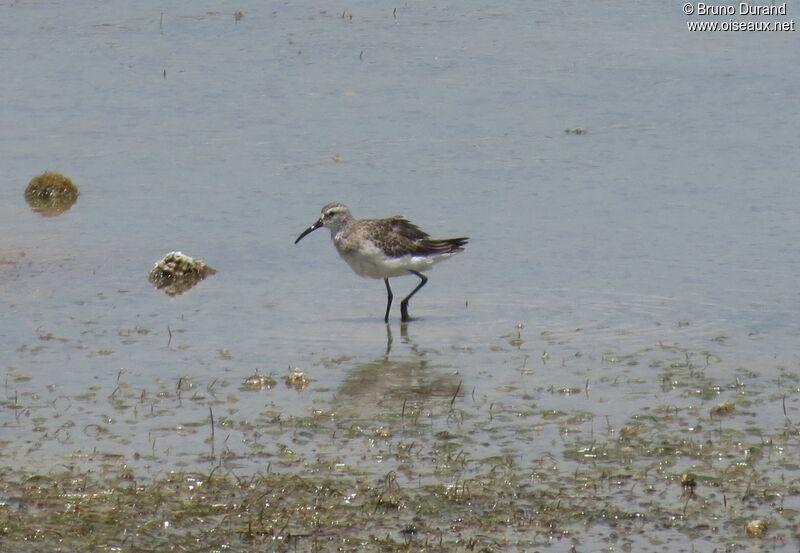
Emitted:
<point x="671" y="222"/>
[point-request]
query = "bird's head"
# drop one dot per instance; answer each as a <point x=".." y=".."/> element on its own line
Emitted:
<point x="333" y="216"/>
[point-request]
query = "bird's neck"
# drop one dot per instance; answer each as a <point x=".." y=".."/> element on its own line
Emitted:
<point x="338" y="229"/>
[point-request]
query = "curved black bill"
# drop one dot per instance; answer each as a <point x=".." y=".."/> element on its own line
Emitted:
<point x="309" y="230"/>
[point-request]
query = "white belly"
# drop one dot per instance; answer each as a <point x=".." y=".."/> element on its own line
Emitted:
<point x="370" y="261"/>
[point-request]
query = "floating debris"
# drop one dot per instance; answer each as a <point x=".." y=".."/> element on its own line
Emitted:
<point x="177" y="273"/>
<point x="756" y="528"/>
<point x="629" y="431"/>
<point x="296" y="379"/>
<point x="383" y="432"/>
<point x="721" y="409"/>
<point x="688" y="482"/>
<point x="576" y="130"/>
<point x="51" y="193"/>
<point x="258" y="381"/>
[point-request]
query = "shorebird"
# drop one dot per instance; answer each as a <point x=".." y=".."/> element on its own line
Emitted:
<point x="384" y="248"/>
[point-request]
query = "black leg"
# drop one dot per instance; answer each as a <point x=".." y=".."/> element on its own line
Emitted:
<point x="388" y="303"/>
<point x="404" y="304"/>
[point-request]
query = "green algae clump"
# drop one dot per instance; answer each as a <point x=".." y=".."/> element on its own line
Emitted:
<point x="51" y="193"/>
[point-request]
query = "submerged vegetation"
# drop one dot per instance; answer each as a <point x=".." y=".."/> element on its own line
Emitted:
<point x="382" y="465"/>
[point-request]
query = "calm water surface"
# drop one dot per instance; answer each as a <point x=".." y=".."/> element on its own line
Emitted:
<point x="673" y="219"/>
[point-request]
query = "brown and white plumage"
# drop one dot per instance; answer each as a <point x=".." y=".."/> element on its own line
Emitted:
<point x="384" y="248"/>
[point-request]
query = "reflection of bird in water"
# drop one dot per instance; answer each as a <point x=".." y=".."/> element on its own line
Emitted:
<point x="386" y="384"/>
<point x="403" y="336"/>
<point x="384" y="248"/>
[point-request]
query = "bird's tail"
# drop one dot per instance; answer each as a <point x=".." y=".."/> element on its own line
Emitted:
<point x="446" y="245"/>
